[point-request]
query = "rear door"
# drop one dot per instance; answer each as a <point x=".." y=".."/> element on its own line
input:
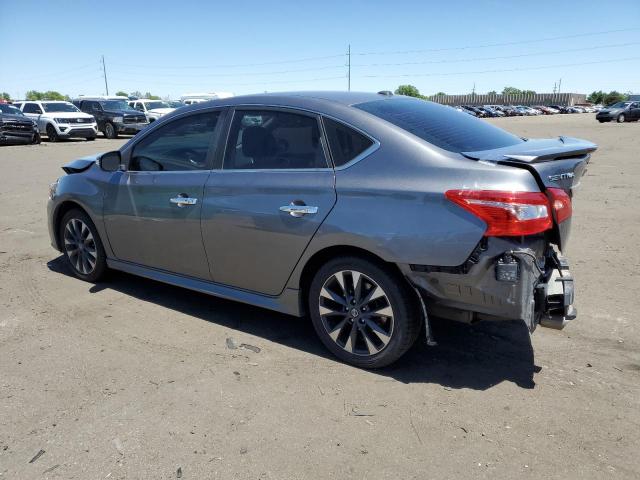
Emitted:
<point x="262" y="208"/>
<point x="635" y="111"/>
<point x="152" y="211"/>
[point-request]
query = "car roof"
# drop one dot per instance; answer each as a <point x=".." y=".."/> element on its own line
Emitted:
<point x="301" y="99"/>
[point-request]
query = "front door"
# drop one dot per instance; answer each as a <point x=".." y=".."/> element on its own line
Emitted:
<point x="152" y="211"/>
<point x="273" y="192"/>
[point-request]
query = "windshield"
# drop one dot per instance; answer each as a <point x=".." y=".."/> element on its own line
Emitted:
<point x="10" y="109"/>
<point x="441" y="126"/>
<point x="175" y="104"/>
<point x="152" y="105"/>
<point x="619" y="105"/>
<point x="115" y="105"/>
<point x="59" y="107"/>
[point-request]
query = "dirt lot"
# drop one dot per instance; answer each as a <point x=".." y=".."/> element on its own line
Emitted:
<point x="133" y="379"/>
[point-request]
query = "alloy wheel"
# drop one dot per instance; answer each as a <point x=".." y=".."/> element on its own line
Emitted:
<point x="356" y="313"/>
<point x="80" y="246"/>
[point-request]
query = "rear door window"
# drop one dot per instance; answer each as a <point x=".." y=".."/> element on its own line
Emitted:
<point x="274" y="140"/>
<point x="31" y="108"/>
<point x="439" y="125"/>
<point x="345" y="143"/>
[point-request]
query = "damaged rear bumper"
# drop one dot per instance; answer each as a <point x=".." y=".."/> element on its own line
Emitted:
<point x="503" y="279"/>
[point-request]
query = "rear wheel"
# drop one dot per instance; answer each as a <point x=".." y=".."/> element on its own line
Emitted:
<point x="82" y="246"/>
<point x="365" y="314"/>
<point x="51" y="133"/>
<point x="110" y="131"/>
<point x="621" y="118"/>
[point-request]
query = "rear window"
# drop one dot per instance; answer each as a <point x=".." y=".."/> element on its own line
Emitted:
<point x="441" y="126"/>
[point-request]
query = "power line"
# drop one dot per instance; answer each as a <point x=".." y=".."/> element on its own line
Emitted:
<point x="502" y="44"/>
<point x="279" y="72"/>
<point x="299" y="60"/>
<point x="503" y="57"/>
<point x="562" y="65"/>
<point x="269" y="82"/>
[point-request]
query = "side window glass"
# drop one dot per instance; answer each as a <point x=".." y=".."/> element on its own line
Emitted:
<point x="32" y="108"/>
<point x="344" y="142"/>
<point x="269" y="139"/>
<point x="180" y="145"/>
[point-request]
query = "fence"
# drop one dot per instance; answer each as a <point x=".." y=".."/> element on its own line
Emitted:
<point x="499" y="99"/>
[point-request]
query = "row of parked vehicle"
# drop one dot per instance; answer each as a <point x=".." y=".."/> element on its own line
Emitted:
<point x="85" y="117"/>
<point x="488" y="111"/>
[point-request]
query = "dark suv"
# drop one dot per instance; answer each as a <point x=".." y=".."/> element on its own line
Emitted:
<point x="15" y="127"/>
<point x="113" y="116"/>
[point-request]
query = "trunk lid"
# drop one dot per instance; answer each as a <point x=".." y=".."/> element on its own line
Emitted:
<point x="555" y="163"/>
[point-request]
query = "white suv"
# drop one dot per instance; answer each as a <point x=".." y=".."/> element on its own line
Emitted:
<point x="58" y="119"/>
<point x="153" y="109"/>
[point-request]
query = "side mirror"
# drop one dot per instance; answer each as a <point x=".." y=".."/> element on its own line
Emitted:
<point x="110" y="161"/>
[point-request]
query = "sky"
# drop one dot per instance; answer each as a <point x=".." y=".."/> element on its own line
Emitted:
<point x="170" y="48"/>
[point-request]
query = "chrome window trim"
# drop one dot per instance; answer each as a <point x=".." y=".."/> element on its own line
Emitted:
<point x="374" y="147"/>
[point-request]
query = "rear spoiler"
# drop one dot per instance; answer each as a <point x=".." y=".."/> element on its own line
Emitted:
<point x="537" y="151"/>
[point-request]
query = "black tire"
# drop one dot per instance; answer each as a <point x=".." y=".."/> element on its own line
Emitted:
<point x="52" y="134"/>
<point x="110" y="131"/>
<point x="621" y="118"/>
<point x="403" y="325"/>
<point x="68" y="240"/>
<point x="36" y="138"/>
<point x="90" y="139"/>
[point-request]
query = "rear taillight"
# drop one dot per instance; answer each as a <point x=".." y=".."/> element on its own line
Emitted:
<point x="506" y="214"/>
<point x="560" y="204"/>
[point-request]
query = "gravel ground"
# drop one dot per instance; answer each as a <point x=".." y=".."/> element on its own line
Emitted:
<point x="134" y="379"/>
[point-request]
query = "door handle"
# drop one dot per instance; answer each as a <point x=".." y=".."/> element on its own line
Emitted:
<point x="182" y="200"/>
<point x="298" y="210"/>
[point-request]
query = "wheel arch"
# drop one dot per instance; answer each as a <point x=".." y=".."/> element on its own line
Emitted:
<point x="60" y="212"/>
<point x="319" y="258"/>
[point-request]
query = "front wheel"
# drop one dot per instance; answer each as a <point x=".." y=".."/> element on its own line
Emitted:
<point x="621" y="118"/>
<point x="82" y="246"/>
<point x="110" y="131"/>
<point x="365" y="314"/>
<point x="36" y="138"/>
<point x="52" y="134"/>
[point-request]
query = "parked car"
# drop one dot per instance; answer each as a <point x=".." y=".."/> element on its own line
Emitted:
<point x="493" y="111"/>
<point x="478" y="112"/>
<point x="113" y="116"/>
<point x="153" y="109"/>
<point x="466" y="110"/>
<point x="620" y="112"/>
<point x="58" y="119"/>
<point x="354" y="208"/>
<point x="15" y="127"/>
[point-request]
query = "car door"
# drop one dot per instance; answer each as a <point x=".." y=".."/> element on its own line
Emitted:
<point x="635" y="111"/>
<point x="263" y="207"/>
<point x="152" y="210"/>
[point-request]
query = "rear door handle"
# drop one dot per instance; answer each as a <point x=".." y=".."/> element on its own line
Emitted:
<point x="298" y="210"/>
<point x="182" y="200"/>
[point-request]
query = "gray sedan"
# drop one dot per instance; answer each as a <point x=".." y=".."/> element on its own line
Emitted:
<point x="367" y="212"/>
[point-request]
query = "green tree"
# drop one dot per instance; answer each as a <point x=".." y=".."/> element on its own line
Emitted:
<point x="408" y="90"/>
<point x="511" y="91"/>
<point x="596" y="97"/>
<point x="5" y="96"/>
<point x="137" y="93"/>
<point x="151" y="97"/>
<point x="492" y="92"/>
<point x="528" y="92"/>
<point x="120" y="93"/>
<point x="613" y="97"/>
<point x="48" y="95"/>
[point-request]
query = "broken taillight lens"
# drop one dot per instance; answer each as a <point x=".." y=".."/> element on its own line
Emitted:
<point x="506" y="214"/>
<point x="560" y="204"/>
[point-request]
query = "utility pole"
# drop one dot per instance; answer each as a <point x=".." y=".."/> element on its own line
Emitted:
<point x="349" y="68"/>
<point x="555" y="85"/>
<point x="104" y="70"/>
<point x="559" y="84"/>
